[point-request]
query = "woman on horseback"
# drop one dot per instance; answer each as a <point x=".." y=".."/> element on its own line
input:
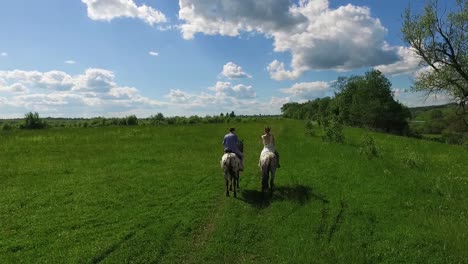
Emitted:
<point x="269" y="144"/>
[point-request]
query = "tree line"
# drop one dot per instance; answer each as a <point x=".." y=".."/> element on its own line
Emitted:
<point x="363" y="101"/>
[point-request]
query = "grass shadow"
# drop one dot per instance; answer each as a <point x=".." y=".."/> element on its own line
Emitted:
<point x="299" y="194"/>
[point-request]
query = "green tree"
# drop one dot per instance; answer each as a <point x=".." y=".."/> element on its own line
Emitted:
<point x="367" y="101"/>
<point x="440" y="41"/>
<point x="33" y="121"/>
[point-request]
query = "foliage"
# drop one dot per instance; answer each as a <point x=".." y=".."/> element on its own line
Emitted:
<point x="310" y="129"/>
<point x="367" y="101"/>
<point x="314" y="110"/>
<point x="368" y="146"/>
<point x="131" y="120"/>
<point x="411" y="159"/>
<point x="33" y="121"/>
<point x="452" y="137"/>
<point x="363" y="101"/>
<point x="440" y="40"/>
<point x="332" y="130"/>
<point x="7" y="126"/>
<point x="157" y="119"/>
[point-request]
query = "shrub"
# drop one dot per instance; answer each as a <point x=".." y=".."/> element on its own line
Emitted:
<point x="411" y="159"/>
<point x="310" y="130"/>
<point x="7" y="127"/>
<point x="451" y="137"/>
<point x="131" y="120"/>
<point x="332" y="130"/>
<point x="33" y="121"/>
<point x="368" y="147"/>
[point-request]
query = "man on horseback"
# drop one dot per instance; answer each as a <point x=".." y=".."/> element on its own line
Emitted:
<point x="231" y="144"/>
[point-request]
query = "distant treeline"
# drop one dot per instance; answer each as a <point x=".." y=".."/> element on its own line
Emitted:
<point x="441" y="123"/>
<point x="362" y="101"/>
<point x="33" y="121"/>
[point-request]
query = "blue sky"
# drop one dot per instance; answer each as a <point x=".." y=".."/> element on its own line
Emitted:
<point x="119" y="57"/>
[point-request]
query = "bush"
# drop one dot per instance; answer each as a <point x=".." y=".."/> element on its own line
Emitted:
<point x="7" y="127"/>
<point x="33" y="121"/>
<point x="131" y="120"/>
<point x="411" y="159"/>
<point x="332" y="131"/>
<point x="310" y="130"/>
<point x="451" y="137"/>
<point x="368" y="147"/>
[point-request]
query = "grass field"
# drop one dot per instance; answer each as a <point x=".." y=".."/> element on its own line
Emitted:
<point x="156" y="195"/>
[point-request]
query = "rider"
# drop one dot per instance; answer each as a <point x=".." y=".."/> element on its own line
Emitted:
<point x="269" y="144"/>
<point x="231" y="144"/>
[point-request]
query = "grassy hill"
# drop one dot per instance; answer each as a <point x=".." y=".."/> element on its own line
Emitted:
<point x="156" y="194"/>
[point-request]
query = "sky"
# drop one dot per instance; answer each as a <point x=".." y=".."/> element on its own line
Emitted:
<point x="113" y="58"/>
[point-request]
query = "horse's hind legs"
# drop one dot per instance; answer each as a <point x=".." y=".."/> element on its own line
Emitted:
<point x="227" y="189"/>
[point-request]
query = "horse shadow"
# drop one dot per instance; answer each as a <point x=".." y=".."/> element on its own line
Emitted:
<point x="299" y="194"/>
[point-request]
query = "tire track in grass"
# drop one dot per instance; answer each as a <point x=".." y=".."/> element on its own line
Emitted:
<point x="104" y="254"/>
<point x="205" y="230"/>
<point x="338" y="221"/>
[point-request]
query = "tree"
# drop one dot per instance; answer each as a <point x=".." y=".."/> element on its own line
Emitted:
<point x="441" y="42"/>
<point x="367" y="101"/>
<point x="33" y="121"/>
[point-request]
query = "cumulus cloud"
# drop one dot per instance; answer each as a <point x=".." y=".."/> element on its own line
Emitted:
<point x="229" y="18"/>
<point x="278" y="72"/>
<point x="414" y="99"/>
<point x="307" y="90"/>
<point x="3" y="54"/>
<point x="408" y="63"/>
<point x="70" y="62"/>
<point x="95" y="80"/>
<point x="110" y="9"/>
<point x="221" y="97"/>
<point x="226" y="89"/>
<point x="317" y="36"/>
<point x="13" y="88"/>
<point x="53" y="80"/>
<point x="179" y="96"/>
<point x="153" y="53"/>
<point x="58" y="93"/>
<point x="234" y="71"/>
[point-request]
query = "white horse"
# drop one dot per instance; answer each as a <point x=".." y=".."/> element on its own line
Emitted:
<point x="231" y="165"/>
<point x="268" y="164"/>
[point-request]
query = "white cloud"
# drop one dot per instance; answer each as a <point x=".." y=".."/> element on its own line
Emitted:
<point x="221" y="97"/>
<point x="307" y="90"/>
<point x="153" y="53"/>
<point x="3" y="54"/>
<point x="317" y="36"/>
<point x="53" y="80"/>
<point x="234" y="71"/>
<point x="278" y="72"/>
<point x="57" y="93"/>
<point x="110" y="9"/>
<point x="13" y="88"/>
<point x="414" y="99"/>
<point x="70" y="62"/>
<point x="409" y="63"/>
<point x="226" y="89"/>
<point x="95" y="80"/>
<point x="178" y="96"/>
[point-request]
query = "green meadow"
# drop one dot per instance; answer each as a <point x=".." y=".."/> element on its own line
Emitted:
<point x="155" y="194"/>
